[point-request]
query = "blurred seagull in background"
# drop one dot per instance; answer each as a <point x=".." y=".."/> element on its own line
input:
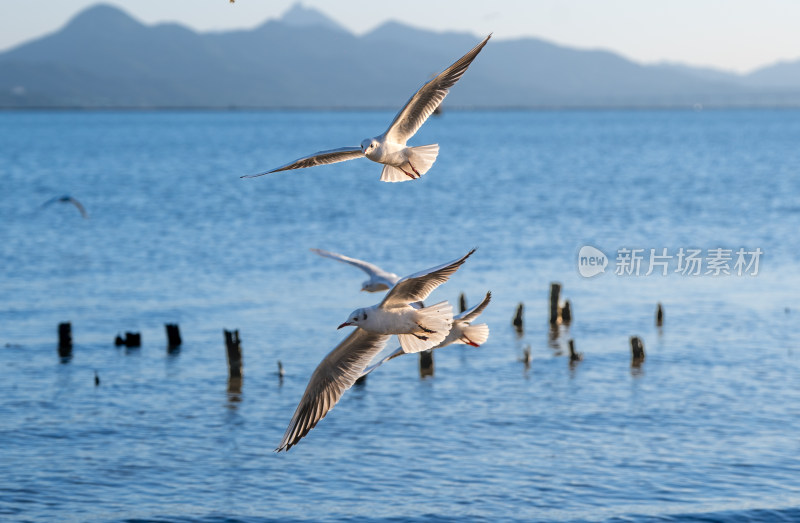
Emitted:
<point x="340" y="369"/>
<point x="67" y="199"/>
<point x="461" y="332"/>
<point x="400" y="162"/>
<point x="379" y="280"/>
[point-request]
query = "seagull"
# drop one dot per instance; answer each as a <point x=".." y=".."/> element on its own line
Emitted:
<point x="400" y="163"/>
<point x="379" y="280"/>
<point x="417" y="328"/>
<point x="333" y="376"/>
<point x="340" y="369"/>
<point x="68" y="199"/>
<point x="461" y="332"/>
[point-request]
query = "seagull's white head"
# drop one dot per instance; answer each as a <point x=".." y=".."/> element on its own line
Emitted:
<point x="369" y="145"/>
<point x="357" y="318"/>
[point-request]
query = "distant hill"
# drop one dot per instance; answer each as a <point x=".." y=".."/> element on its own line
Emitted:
<point x="105" y="58"/>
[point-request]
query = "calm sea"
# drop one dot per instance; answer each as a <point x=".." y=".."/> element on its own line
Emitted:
<point x="707" y="429"/>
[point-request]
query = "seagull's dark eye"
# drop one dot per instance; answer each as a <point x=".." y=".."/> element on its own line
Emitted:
<point x="355" y="319"/>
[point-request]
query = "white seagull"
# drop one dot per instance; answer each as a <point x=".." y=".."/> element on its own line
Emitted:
<point x="417" y="328"/>
<point x="379" y="279"/>
<point x="68" y="199"/>
<point x="461" y="332"/>
<point x="340" y="369"/>
<point x="400" y="163"/>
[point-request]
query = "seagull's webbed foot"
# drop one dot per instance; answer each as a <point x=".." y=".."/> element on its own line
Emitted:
<point x="469" y="341"/>
<point x="409" y="174"/>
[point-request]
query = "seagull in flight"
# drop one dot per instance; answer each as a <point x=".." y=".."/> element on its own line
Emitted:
<point x="68" y="199"/>
<point x="417" y="328"/>
<point x="340" y="369"/>
<point x="400" y="162"/>
<point x="379" y="279"/>
<point x="462" y="332"/>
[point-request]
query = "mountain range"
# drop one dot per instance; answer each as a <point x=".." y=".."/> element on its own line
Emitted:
<point x="104" y="58"/>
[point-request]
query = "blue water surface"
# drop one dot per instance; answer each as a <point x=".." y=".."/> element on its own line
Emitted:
<point x="707" y="429"/>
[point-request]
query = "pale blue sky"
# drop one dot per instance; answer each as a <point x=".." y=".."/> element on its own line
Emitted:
<point x="736" y="35"/>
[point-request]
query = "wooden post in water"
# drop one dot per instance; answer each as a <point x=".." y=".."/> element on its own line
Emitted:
<point x="637" y="351"/>
<point x="233" y="347"/>
<point x="462" y="303"/>
<point x="65" y="340"/>
<point x="426" y="363"/>
<point x="133" y="339"/>
<point x="555" y="293"/>
<point x="566" y="313"/>
<point x="659" y="315"/>
<point x="574" y="357"/>
<point x="173" y="336"/>
<point x="517" y="321"/>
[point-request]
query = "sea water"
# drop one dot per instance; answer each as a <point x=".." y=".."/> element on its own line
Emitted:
<point x="706" y="429"/>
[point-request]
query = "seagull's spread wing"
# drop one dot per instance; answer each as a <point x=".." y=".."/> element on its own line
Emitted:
<point x="332" y="377"/>
<point x="372" y="270"/>
<point x="418" y="286"/>
<point x="470" y="314"/>
<point x="80" y="206"/>
<point x="420" y="106"/>
<point x="395" y="353"/>
<point x="321" y="158"/>
<point x="51" y="201"/>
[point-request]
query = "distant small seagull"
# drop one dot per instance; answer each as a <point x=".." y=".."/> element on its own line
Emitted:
<point x="96" y="379"/>
<point x="340" y="369"/>
<point x="461" y="332"/>
<point x="67" y="199"/>
<point x="379" y="279"/>
<point x="280" y="369"/>
<point x="417" y="328"/>
<point x="400" y="162"/>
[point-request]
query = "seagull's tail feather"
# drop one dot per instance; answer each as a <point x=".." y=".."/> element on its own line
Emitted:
<point x="422" y="157"/>
<point x="475" y="335"/>
<point x="393" y="174"/>
<point x="435" y="323"/>
<point x="420" y="160"/>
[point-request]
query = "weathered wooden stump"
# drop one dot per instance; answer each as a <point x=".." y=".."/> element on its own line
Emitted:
<point x="637" y="351"/>
<point x="517" y="322"/>
<point x="555" y="294"/>
<point x="574" y="357"/>
<point x="233" y="346"/>
<point x="426" y="363"/>
<point x="133" y="339"/>
<point x="526" y="357"/>
<point x="65" y="340"/>
<point x="462" y="303"/>
<point x="566" y="313"/>
<point x="659" y="315"/>
<point x="173" y="336"/>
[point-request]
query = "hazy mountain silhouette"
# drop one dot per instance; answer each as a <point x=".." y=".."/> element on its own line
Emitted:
<point x="105" y="58"/>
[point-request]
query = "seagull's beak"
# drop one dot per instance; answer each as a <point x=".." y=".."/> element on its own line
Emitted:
<point x="345" y="324"/>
